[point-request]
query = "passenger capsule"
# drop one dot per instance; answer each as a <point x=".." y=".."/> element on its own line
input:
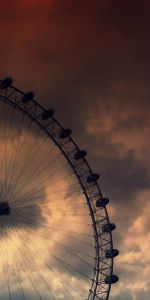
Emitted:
<point x="108" y="227"/>
<point x="80" y="154"/>
<point x="27" y="97"/>
<point x="5" y="83"/>
<point x="92" y="178"/>
<point x="111" y="279"/>
<point x="47" y="114"/>
<point x="102" y="202"/>
<point x="111" y="253"/>
<point x="65" y="133"/>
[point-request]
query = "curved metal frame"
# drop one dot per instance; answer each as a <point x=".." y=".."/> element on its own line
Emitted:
<point x="103" y="240"/>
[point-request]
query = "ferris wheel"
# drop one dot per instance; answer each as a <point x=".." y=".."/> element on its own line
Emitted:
<point x="55" y="233"/>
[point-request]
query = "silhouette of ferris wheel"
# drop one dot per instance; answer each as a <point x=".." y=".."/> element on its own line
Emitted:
<point x="55" y="233"/>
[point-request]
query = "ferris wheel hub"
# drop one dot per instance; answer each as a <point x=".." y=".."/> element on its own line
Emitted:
<point x="4" y="208"/>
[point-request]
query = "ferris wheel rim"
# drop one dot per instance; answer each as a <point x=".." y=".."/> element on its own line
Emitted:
<point x="33" y="110"/>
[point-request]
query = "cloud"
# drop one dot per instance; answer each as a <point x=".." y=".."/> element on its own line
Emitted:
<point x="90" y="62"/>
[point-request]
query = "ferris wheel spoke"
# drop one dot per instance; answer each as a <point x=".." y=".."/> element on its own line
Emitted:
<point x="25" y="239"/>
<point x="12" y="273"/>
<point x="5" y="268"/>
<point x="30" y="154"/>
<point x="66" y="263"/>
<point x="33" y="154"/>
<point x="70" y="231"/>
<point x="2" y="226"/>
<point x="11" y="140"/>
<point x="26" y="222"/>
<point x="36" y="171"/>
<point x="1" y="161"/>
<point x="31" y="214"/>
<point x="54" y="174"/>
<point x="2" y="190"/>
<point x="26" y="267"/>
<point x="15" y="154"/>
<point x="53" y="182"/>
<point x="27" y="164"/>
<point x="18" y="282"/>
<point x="29" y="274"/>
<point x="7" y="280"/>
<point x="27" y="206"/>
<point x="74" y="271"/>
<point x="63" y="245"/>
<point x="27" y="219"/>
<point x="23" y="142"/>
<point x="55" y="190"/>
<point x="10" y="126"/>
<point x="77" y="251"/>
<point x="9" y="122"/>
<point x="49" y="288"/>
<point x="31" y="260"/>
<point x="3" y="149"/>
<point x="70" y="250"/>
<point x="66" y="282"/>
<point x="22" y="169"/>
<point x="45" y="179"/>
<point x="17" y="141"/>
<point x="36" y="199"/>
<point x="19" y="152"/>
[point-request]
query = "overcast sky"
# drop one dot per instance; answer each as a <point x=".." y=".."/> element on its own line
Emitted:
<point x="90" y="61"/>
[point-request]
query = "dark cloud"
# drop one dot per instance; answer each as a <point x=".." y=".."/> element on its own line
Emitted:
<point x="127" y="296"/>
<point x="123" y="177"/>
<point x="81" y="57"/>
<point x="143" y="295"/>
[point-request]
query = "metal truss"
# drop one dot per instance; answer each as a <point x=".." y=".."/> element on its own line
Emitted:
<point x="45" y="119"/>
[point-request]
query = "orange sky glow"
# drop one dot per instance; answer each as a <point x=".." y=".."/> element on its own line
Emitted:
<point x="89" y="61"/>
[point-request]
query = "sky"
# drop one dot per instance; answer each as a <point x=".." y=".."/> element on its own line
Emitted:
<point x="90" y="61"/>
